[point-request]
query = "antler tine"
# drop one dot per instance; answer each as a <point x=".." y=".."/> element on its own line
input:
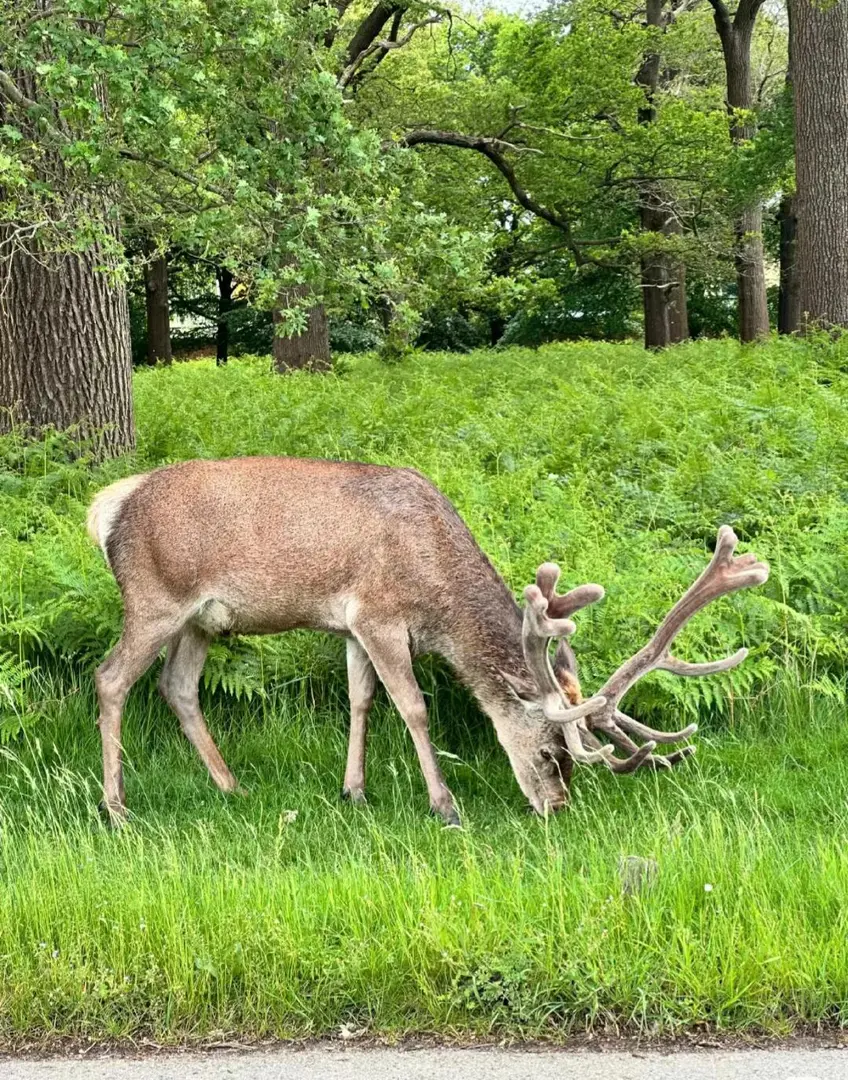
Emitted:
<point x="544" y="619"/>
<point x="640" y="756"/>
<point x="681" y="667"/>
<point x="645" y="732"/>
<point x="725" y="574"/>
<point x="619" y="765"/>
<point x="559" y="607"/>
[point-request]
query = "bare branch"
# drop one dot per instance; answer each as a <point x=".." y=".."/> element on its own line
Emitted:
<point x="370" y="28"/>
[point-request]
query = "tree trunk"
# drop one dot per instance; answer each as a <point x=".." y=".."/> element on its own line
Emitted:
<point x="789" y="297"/>
<point x="820" y="75"/>
<point x="311" y="349"/>
<point x="225" y="305"/>
<point x="158" y="311"/>
<point x="748" y="254"/>
<point x="751" y="274"/>
<point x="678" y="309"/>
<point x="663" y="285"/>
<point x="65" y="359"/>
<point x="654" y="284"/>
<point x="65" y="353"/>
<point x="789" y="302"/>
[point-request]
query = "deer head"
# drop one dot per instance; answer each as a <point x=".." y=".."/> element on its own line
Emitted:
<point x="563" y="728"/>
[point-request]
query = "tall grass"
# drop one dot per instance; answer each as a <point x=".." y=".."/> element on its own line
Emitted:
<point x="290" y="913"/>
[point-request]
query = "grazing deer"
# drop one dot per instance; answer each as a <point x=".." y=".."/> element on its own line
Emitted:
<point x="379" y="555"/>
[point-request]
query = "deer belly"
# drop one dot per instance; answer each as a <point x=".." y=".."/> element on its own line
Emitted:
<point x="231" y="615"/>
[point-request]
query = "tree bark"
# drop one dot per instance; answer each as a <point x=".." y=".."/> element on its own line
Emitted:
<point x="678" y="308"/>
<point x="654" y="286"/>
<point x="65" y="353"/>
<point x="820" y="74"/>
<point x="789" y="300"/>
<point x="789" y="297"/>
<point x="225" y="305"/>
<point x="311" y="349"/>
<point x="749" y="259"/>
<point x="663" y="284"/>
<point x="65" y="359"/>
<point x="158" y="311"/>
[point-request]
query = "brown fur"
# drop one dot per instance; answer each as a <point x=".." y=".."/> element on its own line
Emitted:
<point x="264" y="545"/>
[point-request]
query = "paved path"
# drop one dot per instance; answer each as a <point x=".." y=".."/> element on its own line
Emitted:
<point x="444" y="1064"/>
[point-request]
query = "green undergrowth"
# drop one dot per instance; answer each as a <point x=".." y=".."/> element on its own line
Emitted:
<point x="617" y="463"/>
<point x="289" y="913"/>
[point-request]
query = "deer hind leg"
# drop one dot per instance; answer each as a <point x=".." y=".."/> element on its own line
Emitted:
<point x="389" y="653"/>
<point x="362" y="682"/>
<point x="139" y="646"/>
<point x="178" y="685"/>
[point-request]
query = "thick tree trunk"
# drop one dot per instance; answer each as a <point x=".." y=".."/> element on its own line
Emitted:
<point x="789" y="302"/>
<point x="65" y="358"/>
<point x="820" y="74"/>
<point x="678" y="308"/>
<point x="748" y="255"/>
<point x="65" y="354"/>
<point x="789" y="296"/>
<point x="158" y="311"/>
<point x="311" y="349"/>
<point x="225" y="304"/>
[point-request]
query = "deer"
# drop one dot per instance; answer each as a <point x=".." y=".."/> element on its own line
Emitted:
<point x="378" y="555"/>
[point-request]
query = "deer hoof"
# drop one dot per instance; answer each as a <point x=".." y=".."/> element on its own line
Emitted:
<point x="114" y="814"/>
<point x="448" y="815"/>
<point x="355" y="796"/>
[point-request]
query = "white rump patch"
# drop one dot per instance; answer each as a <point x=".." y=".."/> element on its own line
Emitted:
<point x="104" y="510"/>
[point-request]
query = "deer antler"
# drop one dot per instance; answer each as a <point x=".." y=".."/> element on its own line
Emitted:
<point x="724" y="575"/>
<point x="546" y="616"/>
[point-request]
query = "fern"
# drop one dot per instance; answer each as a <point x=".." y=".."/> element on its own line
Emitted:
<point x="659" y="450"/>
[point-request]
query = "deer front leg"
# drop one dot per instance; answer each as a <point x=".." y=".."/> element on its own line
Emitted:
<point x="362" y="682"/>
<point x="388" y="651"/>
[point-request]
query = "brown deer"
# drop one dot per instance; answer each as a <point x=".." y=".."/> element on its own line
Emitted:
<point x="379" y="555"/>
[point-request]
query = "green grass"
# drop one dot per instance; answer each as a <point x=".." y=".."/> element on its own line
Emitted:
<point x="210" y="915"/>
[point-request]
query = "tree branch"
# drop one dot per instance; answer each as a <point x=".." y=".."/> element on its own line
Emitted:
<point x="493" y="149"/>
<point x="723" y="22"/>
<point x="370" y="28"/>
<point x="163" y="166"/>
<point x="741" y="22"/>
<point x="746" y="13"/>
<point x="11" y="91"/>
<point x="383" y="46"/>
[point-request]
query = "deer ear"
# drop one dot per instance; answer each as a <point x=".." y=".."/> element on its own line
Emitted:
<point x="564" y="659"/>
<point x="524" y="689"/>
<point x="565" y="673"/>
